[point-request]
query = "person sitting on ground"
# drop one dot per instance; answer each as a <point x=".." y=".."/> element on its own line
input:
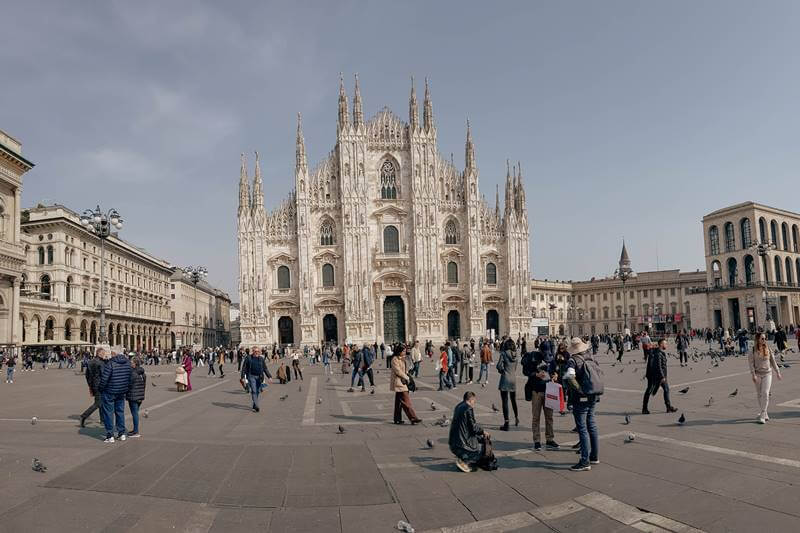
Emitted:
<point x="468" y="441"/>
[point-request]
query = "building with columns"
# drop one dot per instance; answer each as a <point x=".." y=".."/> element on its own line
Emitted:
<point x="12" y="251"/>
<point x="745" y="287"/>
<point x="61" y="285"/>
<point x="210" y="326"/>
<point x="383" y="240"/>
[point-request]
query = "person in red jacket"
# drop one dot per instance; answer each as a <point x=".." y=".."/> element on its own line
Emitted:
<point x="443" y="367"/>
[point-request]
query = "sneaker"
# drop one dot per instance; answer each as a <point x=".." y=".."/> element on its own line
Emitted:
<point x="761" y="420"/>
<point x="83" y="421"/>
<point x="552" y="445"/>
<point x="537" y="446"/>
<point x="576" y="446"/>
<point x="766" y="417"/>
<point x="580" y="467"/>
<point x="350" y="389"/>
<point x="594" y="461"/>
<point x="109" y="440"/>
<point x="464" y="467"/>
<point x="123" y="437"/>
<point x="134" y="435"/>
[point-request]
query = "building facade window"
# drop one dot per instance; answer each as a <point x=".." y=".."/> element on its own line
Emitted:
<point x="451" y="232"/>
<point x="491" y="274"/>
<point x="744" y="228"/>
<point x="327" y="275"/>
<point x="452" y="273"/>
<point x="44" y="287"/>
<point x="391" y="240"/>
<point x="713" y="239"/>
<point x="326" y="234"/>
<point x="730" y="239"/>
<point x="284" y="278"/>
<point x="388" y="181"/>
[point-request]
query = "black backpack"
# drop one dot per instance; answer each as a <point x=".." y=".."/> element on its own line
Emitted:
<point x="590" y="377"/>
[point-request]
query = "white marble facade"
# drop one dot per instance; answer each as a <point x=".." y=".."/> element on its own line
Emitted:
<point x="384" y="240"/>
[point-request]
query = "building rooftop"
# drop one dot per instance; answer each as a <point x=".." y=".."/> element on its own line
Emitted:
<point x="750" y="205"/>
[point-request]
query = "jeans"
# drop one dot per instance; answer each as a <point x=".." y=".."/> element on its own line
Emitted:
<point x="255" y="387"/>
<point x="10" y="373"/>
<point x="415" y="370"/>
<point x="444" y="380"/>
<point x="484" y="370"/>
<point x="684" y="357"/>
<point x="587" y="430"/>
<point x="297" y="371"/>
<point x="451" y="376"/>
<point x="462" y="374"/>
<point x="134" y="407"/>
<point x="652" y="388"/>
<point x="113" y="410"/>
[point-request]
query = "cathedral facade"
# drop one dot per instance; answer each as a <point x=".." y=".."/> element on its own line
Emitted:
<point x="384" y="240"/>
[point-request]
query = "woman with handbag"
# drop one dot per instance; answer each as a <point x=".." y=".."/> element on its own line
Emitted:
<point x="187" y="366"/>
<point x="399" y="383"/>
<point x="507" y="368"/>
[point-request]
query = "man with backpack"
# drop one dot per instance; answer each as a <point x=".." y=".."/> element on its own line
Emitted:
<point x="585" y="381"/>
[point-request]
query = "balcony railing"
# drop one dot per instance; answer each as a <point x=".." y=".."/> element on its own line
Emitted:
<point x="744" y="285"/>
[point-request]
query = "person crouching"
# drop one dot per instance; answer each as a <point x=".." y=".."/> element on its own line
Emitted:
<point x="468" y="441"/>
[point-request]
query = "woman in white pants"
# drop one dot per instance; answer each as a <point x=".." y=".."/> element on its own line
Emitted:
<point x="762" y="362"/>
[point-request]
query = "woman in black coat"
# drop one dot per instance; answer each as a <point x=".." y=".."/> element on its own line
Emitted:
<point x="507" y="368"/>
<point x="135" y="394"/>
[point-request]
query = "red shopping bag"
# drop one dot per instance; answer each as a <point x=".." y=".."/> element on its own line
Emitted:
<point x="554" y="397"/>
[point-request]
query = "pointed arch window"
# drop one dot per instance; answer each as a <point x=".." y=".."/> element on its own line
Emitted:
<point x="389" y="186"/>
<point x="327" y="236"/>
<point x="284" y="279"/>
<point x="491" y="274"/>
<point x="451" y="232"/>
<point x="452" y="273"/>
<point x="327" y="275"/>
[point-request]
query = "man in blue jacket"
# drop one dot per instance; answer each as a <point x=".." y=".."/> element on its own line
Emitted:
<point x="114" y="383"/>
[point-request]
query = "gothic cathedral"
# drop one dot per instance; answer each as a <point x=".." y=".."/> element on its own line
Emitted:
<point x="383" y="241"/>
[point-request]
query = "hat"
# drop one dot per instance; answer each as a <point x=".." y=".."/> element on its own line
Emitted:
<point x="576" y="346"/>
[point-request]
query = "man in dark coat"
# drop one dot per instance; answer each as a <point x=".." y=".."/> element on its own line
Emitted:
<point x="656" y="375"/>
<point x="94" y="370"/>
<point x="467" y="438"/>
<point x="136" y="391"/>
<point x="114" y="383"/>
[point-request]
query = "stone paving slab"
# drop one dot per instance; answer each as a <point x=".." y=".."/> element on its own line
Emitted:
<point x="257" y="479"/>
<point x="197" y="476"/>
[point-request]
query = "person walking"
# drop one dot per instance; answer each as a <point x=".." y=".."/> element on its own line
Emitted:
<point x="486" y="360"/>
<point x="469" y="355"/>
<point x="94" y="371"/>
<point x="761" y="362"/>
<point x="135" y="397"/>
<point x="296" y="365"/>
<point x="357" y="355"/>
<point x="211" y="357"/>
<point x="114" y="383"/>
<point x="780" y="339"/>
<point x="326" y="360"/>
<point x="399" y="385"/>
<point x="585" y="389"/>
<point x="367" y="359"/>
<point x="11" y="363"/>
<point x="682" y="345"/>
<point x="254" y="369"/>
<point x="416" y="358"/>
<point x="507" y="368"/>
<point x="187" y="366"/>
<point x="443" y="375"/>
<point x="656" y="375"/>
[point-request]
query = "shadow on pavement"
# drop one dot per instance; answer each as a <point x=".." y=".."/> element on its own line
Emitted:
<point x="231" y="405"/>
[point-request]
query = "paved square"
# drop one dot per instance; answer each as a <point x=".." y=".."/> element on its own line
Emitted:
<point x="205" y="462"/>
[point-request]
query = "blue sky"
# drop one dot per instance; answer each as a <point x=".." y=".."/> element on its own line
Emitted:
<point x="630" y="118"/>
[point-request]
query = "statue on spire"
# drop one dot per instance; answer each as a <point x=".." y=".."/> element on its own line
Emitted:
<point x="427" y="110"/>
<point x="469" y="150"/>
<point x="344" y="117"/>
<point x="244" y="187"/>
<point x="358" y="113"/>
<point x="300" y="146"/>
<point x="413" y="113"/>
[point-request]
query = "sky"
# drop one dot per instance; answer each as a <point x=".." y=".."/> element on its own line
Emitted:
<point x="630" y="119"/>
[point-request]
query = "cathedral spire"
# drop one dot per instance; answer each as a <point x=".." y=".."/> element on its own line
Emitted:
<point x="258" y="187"/>
<point x="624" y="260"/>
<point x="469" y="150"/>
<point x="244" y="187"/>
<point x="344" y="117"/>
<point x="413" y="113"/>
<point x="521" y="189"/>
<point x="301" y="163"/>
<point x="427" y="110"/>
<point x="358" y="113"/>
<point x="509" y="188"/>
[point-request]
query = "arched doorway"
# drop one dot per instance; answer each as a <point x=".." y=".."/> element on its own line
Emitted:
<point x="493" y="321"/>
<point x="49" y="326"/>
<point x="453" y="325"/>
<point x="394" y="320"/>
<point x="93" y="333"/>
<point x="68" y="330"/>
<point x="330" y="328"/>
<point x="285" y="330"/>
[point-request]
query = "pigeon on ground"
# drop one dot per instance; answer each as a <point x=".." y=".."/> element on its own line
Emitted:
<point x="372" y="391"/>
<point x="708" y="371"/>
<point x="621" y="370"/>
<point x="682" y="419"/>
<point x="319" y="401"/>
<point x="630" y="437"/>
<point x="38" y="466"/>
<point x="282" y="398"/>
<point x="146" y="413"/>
<point x="299" y="388"/>
<point x="734" y="393"/>
<point x="442" y="421"/>
<point x="627" y="419"/>
<point x="341" y="429"/>
<point x="433" y="406"/>
<point x="429" y="442"/>
<point x="684" y="390"/>
<point x="34" y="420"/>
<point x="787" y="365"/>
<point x="494" y="408"/>
<point x="710" y="401"/>
<point x="153" y="383"/>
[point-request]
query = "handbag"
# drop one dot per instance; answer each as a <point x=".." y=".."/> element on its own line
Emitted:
<point x="412" y="385"/>
<point x="554" y="396"/>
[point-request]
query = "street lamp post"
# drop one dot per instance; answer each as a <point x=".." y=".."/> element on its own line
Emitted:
<point x="101" y="224"/>
<point x="624" y="273"/>
<point x="762" y="249"/>
<point x="195" y="274"/>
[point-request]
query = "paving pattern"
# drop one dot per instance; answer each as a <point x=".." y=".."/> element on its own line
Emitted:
<point x="207" y="463"/>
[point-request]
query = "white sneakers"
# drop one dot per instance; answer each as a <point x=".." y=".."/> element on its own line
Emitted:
<point x="109" y="440"/>
<point x="464" y="467"/>
<point x="123" y="437"/>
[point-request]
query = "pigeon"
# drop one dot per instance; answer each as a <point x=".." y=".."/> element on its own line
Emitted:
<point x="630" y="437"/>
<point x="682" y="419"/>
<point x="483" y="385"/>
<point x="319" y="401"/>
<point x="372" y="391"/>
<point x="282" y="398"/>
<point x="734" y="393"/>
<point x="708" y="371"/>
<point x="38" y="466"/>
<point x="627" y="419"/>
<point x="710" y="401"/>
<point x="153" y="383"/>
<point x="433" y="406"/>
<point x="429" y="442"/>
<point x="787" y="365"/>
<point x="684" y="390"/>
<point x="146" y="413"/>
<point x="341" y="429"/>
<point x="636" y="369"/>
<point x="299" y="388"/>
<point x="494" y="408"/>
<point x="621" y="370"/>
<point x="442" y="421"/>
